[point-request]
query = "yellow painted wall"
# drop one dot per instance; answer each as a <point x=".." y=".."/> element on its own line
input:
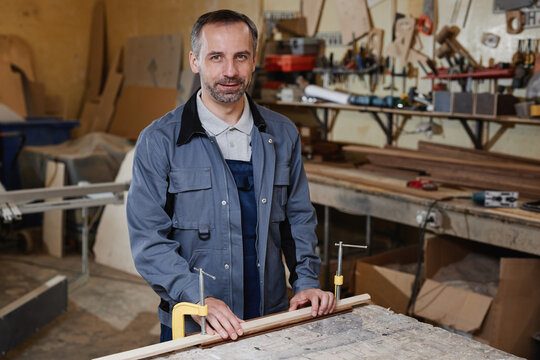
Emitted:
<point x="58" y="32"/>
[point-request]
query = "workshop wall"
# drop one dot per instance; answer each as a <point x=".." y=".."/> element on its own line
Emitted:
<point x="360" y="127"/>
<point x="58" y="31"/>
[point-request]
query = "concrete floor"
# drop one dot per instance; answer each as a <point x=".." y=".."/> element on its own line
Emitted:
<point x="112" y="312"/>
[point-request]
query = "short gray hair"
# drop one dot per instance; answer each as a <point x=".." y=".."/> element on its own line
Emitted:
<point x="220" y="17"/>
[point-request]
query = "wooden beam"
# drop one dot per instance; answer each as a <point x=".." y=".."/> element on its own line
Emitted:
<point x="249" y="327"/>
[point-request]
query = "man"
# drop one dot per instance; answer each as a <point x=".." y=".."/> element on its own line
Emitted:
<point x="218" y="184"/>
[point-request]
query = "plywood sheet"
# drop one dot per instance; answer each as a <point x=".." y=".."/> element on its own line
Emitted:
<point x="17" y="52"/>
<point x="354" y="19"/>
<point x="138" y="106"/>
<point x="96" y="58"/>
<point x="11" y="90"/>
<point x="312" y="11"/>
<point x="53" y="221"/>
<point x="112" y="246"/>
<point x="153" y="60"/>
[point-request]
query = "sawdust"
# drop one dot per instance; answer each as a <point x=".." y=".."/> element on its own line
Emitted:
<point x="476" y="272"/>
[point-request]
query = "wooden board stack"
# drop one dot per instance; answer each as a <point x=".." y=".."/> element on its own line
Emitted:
<point x="460" y="166"/>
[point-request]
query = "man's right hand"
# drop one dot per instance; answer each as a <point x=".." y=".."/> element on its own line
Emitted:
<point x="221" y="320"/>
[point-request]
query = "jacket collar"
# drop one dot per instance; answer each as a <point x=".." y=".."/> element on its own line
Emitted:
<point x="191" y="123"/>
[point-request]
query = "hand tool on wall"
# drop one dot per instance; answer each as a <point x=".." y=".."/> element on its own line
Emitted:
<point x="514" y="21"/>
<point x="185" y="308"/>
<point x="338" y="278"/>
<point x="447" y="36"/>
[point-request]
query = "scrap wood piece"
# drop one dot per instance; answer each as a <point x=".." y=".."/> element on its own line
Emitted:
<point x="11" y="91"/>
<point x="404" y="32"/>
<point x="312" y="11"/>
<point x="17" y="52"/>
<point x="96" y="57"/>
<point x="108" y="99"/>
<point x="294" y="27"/>
<point x="354" y="18"/>
<point x="251" y="326"/>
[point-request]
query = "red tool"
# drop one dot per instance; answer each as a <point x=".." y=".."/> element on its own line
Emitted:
<point x="425" y="25"/>
<point x="427" y="185"/>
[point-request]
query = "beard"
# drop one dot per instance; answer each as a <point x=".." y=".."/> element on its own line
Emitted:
<point x="227" y="96"/>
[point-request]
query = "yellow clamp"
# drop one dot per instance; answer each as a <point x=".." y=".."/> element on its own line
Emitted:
<point x="338" y="280"/>
<point x="178" y="312"/>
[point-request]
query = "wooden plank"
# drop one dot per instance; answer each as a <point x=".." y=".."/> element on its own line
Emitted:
<point x="53" y="221"/>
<point x="399" y="156"/>
<point x="153" y="61"/>
<point x="312" y="11"/>
<point x="88" y="114"/>
<point x="354" y="19"/>
<point x="296" y="27"/>
<point x="472" y="154"/>
<point x="96" y="58"/>
<point x="396" y="186"/>
<point x="249" y="327"/>
<point x="108" y="99"/>
<point x="138" y="106"/>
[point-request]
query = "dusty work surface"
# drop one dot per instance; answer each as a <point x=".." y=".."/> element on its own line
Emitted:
<point x="369" y="332"/>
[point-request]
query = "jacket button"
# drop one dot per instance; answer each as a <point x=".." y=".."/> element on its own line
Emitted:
<point x="270" y="141"/>
<point x="227" y="266"/>
<point x="258" y="265"/>
<point x="263" y="200"/>
<point x="223" y="202"/>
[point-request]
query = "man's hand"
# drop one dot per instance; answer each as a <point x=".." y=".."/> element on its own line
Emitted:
<point x="221" y="319"/>
<point x="322" y="302"/>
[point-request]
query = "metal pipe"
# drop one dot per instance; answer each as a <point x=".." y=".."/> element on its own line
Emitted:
<point x="340" y="259"/>
<point x="326" y="247"/>
<point x="201" y="293"/>
<point x="85" y="270"/>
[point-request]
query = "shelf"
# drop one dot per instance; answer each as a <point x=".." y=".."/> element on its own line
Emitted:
<point x="499" y="119"/>
<point x="477" y="74"/>
<point x="474" y="134"/>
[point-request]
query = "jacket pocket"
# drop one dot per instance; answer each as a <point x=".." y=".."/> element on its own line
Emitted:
<point x="193" y="198"/>
<point x="279" y="198"/>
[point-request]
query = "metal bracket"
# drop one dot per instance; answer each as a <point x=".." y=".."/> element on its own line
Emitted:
<point x="476" y="136"/>
<point x="387" y="129"/>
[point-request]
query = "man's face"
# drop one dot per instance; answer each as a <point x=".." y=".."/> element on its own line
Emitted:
<point x="225" y="63"/>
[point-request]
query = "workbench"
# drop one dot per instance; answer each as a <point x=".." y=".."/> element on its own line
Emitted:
<point x="509" y="228"/>
<point x="368" y="331"/>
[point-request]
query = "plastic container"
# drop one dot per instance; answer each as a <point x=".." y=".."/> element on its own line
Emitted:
<point x="289" y="63"/>
<point x="36" y="131"/>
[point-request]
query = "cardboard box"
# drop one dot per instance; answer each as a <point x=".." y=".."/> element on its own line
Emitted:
<point x="506" y="321"/>
<point x="388" y="287"/>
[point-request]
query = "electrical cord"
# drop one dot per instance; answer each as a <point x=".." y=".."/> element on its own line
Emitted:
<point x="421" y="238"/>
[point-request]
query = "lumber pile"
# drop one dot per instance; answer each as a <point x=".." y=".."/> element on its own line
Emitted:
<point x="460" y="166"/>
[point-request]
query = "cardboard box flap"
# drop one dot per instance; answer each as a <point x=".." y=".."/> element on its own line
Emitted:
<point x="459" y="309"/>
<point x="387" y="287"/>
<point x="515" y="313"/>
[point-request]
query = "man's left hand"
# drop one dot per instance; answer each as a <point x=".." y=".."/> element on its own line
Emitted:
<point x="322" y="302"/>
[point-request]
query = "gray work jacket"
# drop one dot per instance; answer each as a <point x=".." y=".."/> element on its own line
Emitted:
<point x="183" y="211"/>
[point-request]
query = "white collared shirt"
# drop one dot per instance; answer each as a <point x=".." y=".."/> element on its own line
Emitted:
<point x="233" y="141"/>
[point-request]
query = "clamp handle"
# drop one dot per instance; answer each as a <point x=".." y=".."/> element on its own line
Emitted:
<point x="178" y="321"/>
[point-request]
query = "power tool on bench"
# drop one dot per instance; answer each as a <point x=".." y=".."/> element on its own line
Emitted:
<point x="493" y="199"/>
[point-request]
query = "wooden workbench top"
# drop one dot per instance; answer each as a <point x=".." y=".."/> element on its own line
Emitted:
<point x="368" y="332"/>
